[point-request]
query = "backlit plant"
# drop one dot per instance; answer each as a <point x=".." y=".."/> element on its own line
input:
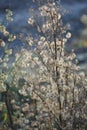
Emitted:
<point x="44" y="87"/>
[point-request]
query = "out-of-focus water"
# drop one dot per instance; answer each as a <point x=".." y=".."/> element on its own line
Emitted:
<point x="20" y="8"/>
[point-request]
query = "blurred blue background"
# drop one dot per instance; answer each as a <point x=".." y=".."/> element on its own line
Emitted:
<point x="76" y="16"/>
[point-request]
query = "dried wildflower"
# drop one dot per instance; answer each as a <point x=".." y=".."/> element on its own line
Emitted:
<point x="47" y="90"/>
<point x="59" y="16"/>
<point x="9" y="15"/>
<point x="31" y="21"/>
<point x="68" y="35"/>
<point x="2" y="43"/>
<point x="6" y="33"/>
<point x="11" y="38"/>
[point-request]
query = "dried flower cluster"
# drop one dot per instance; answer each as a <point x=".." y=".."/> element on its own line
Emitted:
<point x="44" y="90"/>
